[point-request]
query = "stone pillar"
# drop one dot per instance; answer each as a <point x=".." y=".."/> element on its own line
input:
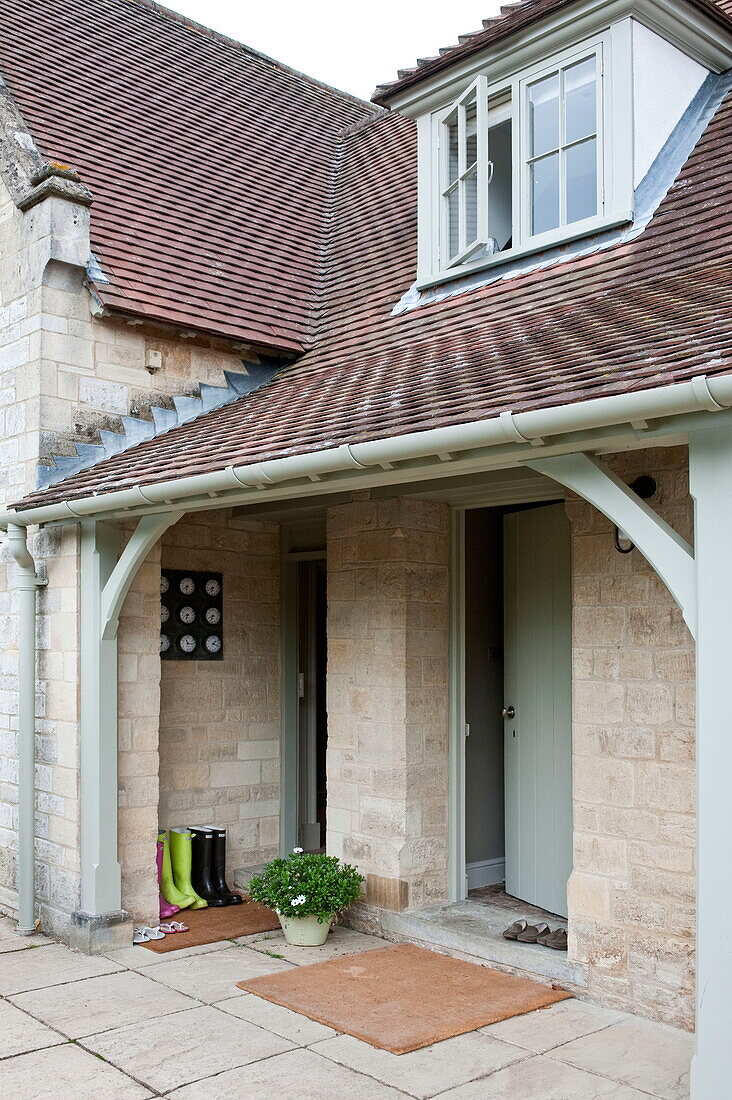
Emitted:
<point x="388" y="631"/>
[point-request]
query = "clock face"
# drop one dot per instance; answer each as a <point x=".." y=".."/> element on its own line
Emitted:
<point x="187" y="615"/>
<point x="213" y="643"/>
<point x="164" y="585"/>
<point x="187" y="586"/>
<point x="164" y="643"/>
<point x="212" y="587"/>
<point x="187" y="643"/>
<point x="213" y="615"/>
<point x="164" y="613"/>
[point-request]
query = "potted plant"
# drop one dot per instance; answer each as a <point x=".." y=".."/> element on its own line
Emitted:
<point x="306" y="891"/>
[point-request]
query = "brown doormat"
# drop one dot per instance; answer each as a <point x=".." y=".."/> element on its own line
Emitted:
<point x="212" y="925"/>
<point x="402" y="998"/>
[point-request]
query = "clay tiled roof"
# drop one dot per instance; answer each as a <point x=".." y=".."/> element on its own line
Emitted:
<point x="211" y="166"/>
<point x="640" y="314"/>
<point x="512" y="19"/>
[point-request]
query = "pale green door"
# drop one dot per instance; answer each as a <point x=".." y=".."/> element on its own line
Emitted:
<point x="538" y="686"/>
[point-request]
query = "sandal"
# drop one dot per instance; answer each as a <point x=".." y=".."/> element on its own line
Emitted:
<point x="557" y="940"/>
<point x="531" y="933"/>
<point x="138" y="936"/>
<point x="178" y="926"/>
<point x="513" y="930"/>
<point x="150" y="933"/>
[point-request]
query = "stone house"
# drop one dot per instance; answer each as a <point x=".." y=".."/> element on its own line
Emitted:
<point x="428" y="399"/>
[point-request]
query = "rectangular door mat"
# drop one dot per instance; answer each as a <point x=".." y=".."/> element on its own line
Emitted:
<point x="402" y="998"/>
<point x="214" y="924"/>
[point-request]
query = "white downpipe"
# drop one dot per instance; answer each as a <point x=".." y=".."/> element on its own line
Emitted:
<point x="27" y="583"/>
<point x="701" y="393"/>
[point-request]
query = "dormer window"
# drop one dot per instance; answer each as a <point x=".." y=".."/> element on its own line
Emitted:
<point x="523" y="163"/>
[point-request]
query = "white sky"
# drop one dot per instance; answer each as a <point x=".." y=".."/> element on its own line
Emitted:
<point x="353" y="46"/>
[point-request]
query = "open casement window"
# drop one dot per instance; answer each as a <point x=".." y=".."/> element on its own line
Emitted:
<point x="562" y="139"/>
<point x="463" y="146"/>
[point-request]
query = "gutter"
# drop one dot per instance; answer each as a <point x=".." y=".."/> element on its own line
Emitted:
<point x="534" y="427"/>
<point x="27" y="583"/>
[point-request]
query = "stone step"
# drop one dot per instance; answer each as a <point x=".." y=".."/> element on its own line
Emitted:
<point x="472" y="930"/>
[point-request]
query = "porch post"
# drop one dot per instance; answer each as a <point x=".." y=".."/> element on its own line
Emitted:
<point x="710" y="469"/>
<point x="97" y="924"/>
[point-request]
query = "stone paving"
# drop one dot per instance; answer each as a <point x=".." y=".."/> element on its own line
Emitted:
<point x="134" y="1024"/>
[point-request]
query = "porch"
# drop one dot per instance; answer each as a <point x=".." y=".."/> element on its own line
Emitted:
<point x="121" y="1024"/>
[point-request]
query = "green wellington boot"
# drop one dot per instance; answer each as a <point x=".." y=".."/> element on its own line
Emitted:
<point x="168" y="889"/>
<point x="181" y="858"/>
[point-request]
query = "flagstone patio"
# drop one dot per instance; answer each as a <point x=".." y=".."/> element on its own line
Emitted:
<point x="134" y="1024"/>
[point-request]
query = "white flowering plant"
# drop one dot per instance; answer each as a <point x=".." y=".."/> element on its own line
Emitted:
<point x="306" y="884"/>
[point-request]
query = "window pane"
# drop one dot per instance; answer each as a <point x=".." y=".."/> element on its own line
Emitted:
<point x="452" y="151"/>
<point x="453" y="223"/>
<point x="579" y="100"/>
<point x="471" y="208"/>
<point x="581" y="175"/>
<point x="471" y="135"/>
<point x="544" y="115"/>
<point x="545" y="194"/>
<point x="500" y="190"/>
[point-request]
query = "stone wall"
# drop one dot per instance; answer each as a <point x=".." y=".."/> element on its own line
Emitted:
<point x="388" y="584"/>
<point x="220" y="721"/>
<point x="632" y="892"/>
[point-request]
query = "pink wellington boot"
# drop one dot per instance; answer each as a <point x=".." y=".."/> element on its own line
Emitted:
<point x="166" y="909"/>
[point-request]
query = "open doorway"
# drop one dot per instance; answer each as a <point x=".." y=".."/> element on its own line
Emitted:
<point x="517" y="661"/>
<point x="312" y="725"/>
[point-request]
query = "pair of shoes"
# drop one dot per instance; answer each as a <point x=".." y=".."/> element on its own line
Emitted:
<point x="143" y="934"/>
<point x="208" y="874"/>
<point x="175" y="871"/>
<point x="523" y="932"/>
<point x="172" y="927"/>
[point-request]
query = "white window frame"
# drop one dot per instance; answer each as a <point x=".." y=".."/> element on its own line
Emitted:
<point x="476" y="92"/>
<point x="615" y="171"/>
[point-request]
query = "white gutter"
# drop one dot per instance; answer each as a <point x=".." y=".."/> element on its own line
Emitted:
<point x="699" y="394"/>
<point x="27" y="583"/>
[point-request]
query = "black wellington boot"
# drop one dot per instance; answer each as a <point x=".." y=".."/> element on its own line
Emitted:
<point x="201" y="867"/>
<point x="218" y="869"/>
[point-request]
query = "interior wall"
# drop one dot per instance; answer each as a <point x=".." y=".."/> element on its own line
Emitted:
<point x="484" y="785"/>
<point x="220" y="720"/>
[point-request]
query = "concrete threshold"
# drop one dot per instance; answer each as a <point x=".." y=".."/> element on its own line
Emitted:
<point x="473" y="930"/>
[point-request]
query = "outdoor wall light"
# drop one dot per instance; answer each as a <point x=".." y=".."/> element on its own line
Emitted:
<point x="644" y="487"/>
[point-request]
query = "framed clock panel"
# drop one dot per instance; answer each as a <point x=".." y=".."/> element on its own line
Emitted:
<point x="191" y="615"/>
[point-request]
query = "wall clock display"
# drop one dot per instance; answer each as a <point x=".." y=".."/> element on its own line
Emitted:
<point x="191" y="615"/>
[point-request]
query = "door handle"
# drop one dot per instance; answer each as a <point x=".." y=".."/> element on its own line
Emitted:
<point x="508" y="712"/>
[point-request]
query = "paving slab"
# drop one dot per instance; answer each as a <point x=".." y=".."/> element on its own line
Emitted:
<point x="65" y="1073"/>
<point x="213" y="977"/>
<point x="341" y="941"/>
<point x="541" y="1079"/>
<point x="20" y="1033"/>
<point x="138" y="956"/>
<point x="648" y="1056"/>
<point x="52" y="965"/>
<point x="97" y="1004"/>
<point x="427" y="1072"/>
<point x="185" y="1047"/>
<point x="301" y="1074"/>
<point x="552" y="1027"/>
<point x="11" y="941"/>
<point x="282" y="1021"/>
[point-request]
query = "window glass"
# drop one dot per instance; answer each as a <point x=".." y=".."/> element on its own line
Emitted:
<point x="471" y="208"/>
<point x="452" y="158"/>
<point x="579" y="101"/>
<point x="471" y="135"/>
<point x="453" y="221"/>
<point x="544" y="115"/>
<point x="581" y="177"/>
<point x="545" y="194"/>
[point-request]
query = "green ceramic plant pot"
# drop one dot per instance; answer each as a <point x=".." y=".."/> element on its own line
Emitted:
<point x="305" y="931"/>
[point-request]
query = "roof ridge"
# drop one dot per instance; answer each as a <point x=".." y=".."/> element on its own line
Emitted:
<point x="226" y="39"/>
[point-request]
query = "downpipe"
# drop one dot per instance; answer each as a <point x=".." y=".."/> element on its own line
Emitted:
<point x="27" y="582"/>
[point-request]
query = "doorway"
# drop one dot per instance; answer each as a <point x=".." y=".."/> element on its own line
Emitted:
<point x="517" y="704"/>
<point x="312" y="724"/>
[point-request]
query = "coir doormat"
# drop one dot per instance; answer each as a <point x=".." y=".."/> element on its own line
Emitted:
<point x="214" y="924"/>
<point x="402" y="998"/>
